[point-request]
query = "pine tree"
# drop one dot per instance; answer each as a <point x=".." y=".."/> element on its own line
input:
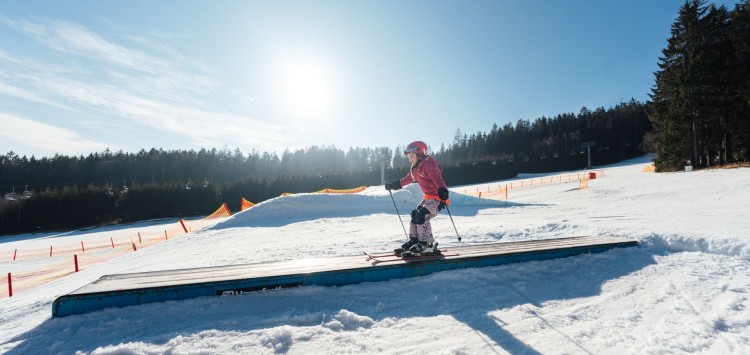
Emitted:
<point x="716" y="67"/>
<point x="674" y="106"/>
<point x="739" y="34"/>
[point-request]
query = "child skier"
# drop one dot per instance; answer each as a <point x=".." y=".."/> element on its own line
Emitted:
<point x="426" y="172"/>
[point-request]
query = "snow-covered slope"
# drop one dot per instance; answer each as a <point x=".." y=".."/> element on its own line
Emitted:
<point x="684" y="289"/>
<point x="373" y="200"/>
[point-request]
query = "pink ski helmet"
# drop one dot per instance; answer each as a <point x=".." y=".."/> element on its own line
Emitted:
<point x="417" y="147"/>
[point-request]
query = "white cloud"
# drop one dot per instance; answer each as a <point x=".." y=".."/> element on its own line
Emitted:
<point x="20" y="135"/>
<point x="77" y="40"/>
<point x="137" y="80"/>
<point x="16" y="92"/>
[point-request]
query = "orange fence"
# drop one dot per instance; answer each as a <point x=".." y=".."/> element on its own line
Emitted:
<point x="501" y="191"/>
<point x="346" y="191"/>
<point x="333" y="191"/>
<point x="36" y="266"/>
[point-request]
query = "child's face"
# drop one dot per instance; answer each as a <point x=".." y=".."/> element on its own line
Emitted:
<point x="412" y="158"/>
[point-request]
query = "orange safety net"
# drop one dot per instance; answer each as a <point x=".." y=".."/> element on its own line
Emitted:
<point x="36" y="266"/>
<point x="501" y="191"/>
<point x="333" y="191"/>
<point x="33" y="267"/>
<point x="246" y="204"/>
<point x="222" y="212"/>
<point x="345" y="191"/>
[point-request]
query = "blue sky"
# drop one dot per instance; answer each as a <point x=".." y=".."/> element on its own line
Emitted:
<point x="80" y="76"/>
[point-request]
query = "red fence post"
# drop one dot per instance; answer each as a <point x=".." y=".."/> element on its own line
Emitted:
<point x="10" y="287"/>
<point x="139" y="238"/>
<point x="113" y="242"/>
<point x="83" y="250"/>
<point x="165" y="235"/>
<point x="50" y="251"/>
<point x="75" y="260"/>
<point x="14" y="254"/>
<point x="183" y="225"/>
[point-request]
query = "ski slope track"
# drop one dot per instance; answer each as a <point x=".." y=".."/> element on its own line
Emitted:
<point x="684" y="289"/>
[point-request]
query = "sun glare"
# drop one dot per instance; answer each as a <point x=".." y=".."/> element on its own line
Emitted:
<point x="306" y="87"/>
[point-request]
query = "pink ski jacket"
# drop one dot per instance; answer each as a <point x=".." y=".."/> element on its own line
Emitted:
<point x="428" y="175"/>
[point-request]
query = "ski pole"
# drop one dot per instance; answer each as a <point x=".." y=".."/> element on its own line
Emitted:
<point x="454" y="224"/>
<point x="399" y="215"/>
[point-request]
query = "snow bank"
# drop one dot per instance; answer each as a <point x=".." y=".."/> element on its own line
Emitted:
<point x="310" y="206"/>
<point x="674" y="243"/>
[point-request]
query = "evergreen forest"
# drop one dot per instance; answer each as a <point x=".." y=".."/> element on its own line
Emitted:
<point x="700" y="103"/>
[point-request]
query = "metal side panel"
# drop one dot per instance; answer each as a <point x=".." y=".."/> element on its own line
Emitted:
<point x="170" y="285"/>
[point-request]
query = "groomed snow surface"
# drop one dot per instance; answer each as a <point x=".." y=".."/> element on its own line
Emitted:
<point x="685" y="289"/>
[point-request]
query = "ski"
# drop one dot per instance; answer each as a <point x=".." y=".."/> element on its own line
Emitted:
<point x="386" y="254"/>
<point x="393" y="257"/>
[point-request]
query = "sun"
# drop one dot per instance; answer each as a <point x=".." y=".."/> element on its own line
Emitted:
<point x="306" y="87"/>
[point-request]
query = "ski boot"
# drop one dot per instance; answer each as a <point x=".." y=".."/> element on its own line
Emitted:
<point x="405" y="247"/>
<point x="422" y="249"/>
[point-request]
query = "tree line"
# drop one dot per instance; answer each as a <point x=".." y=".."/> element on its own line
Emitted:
<point x="700" y="103"/>
<point x="557" y="143"/>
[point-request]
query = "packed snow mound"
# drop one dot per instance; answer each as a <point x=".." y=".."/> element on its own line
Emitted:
<point x="346" y="320"/>
<point x="374" y="200"/>
<point x="728" y="246"/>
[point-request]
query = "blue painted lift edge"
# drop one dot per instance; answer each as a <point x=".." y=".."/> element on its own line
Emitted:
<point x="73" y="303"/>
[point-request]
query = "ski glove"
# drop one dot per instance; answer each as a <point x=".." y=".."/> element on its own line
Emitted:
<point x="443" y="193"/>
<point x="393" y="185"/>
<point x="441" y="206"/>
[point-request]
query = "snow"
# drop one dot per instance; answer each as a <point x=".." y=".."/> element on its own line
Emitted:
<point x="684" y="289"/>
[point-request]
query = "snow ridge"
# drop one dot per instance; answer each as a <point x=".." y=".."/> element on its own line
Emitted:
<point x="310" y="206"/>
<point x="672" y="243"/>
